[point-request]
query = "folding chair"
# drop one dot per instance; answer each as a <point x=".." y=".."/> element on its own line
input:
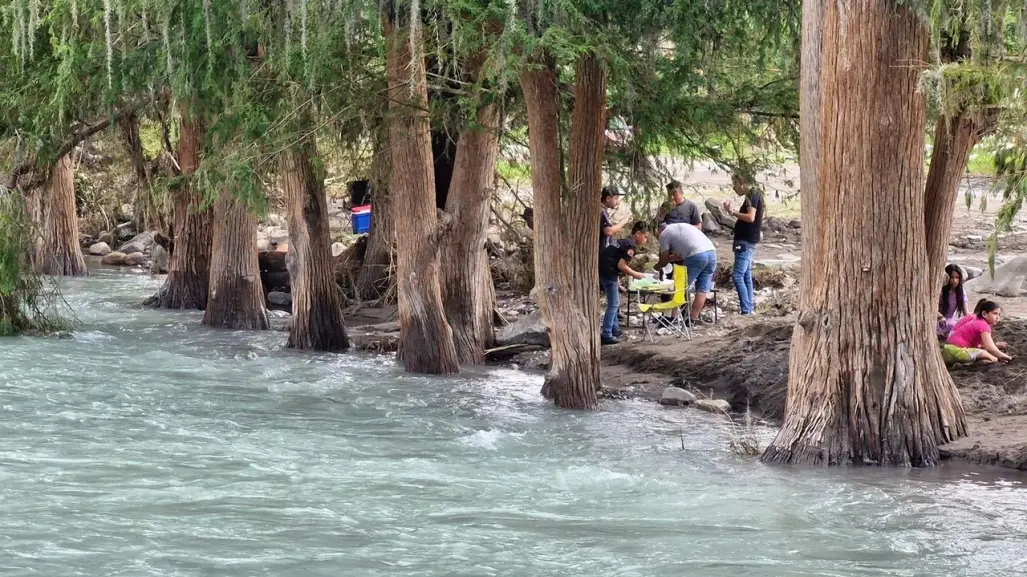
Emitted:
<point x="654" y="313"/>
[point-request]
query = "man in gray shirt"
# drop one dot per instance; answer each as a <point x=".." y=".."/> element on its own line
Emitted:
<point x="686" y="244"/>
<point x="679" y="209"/>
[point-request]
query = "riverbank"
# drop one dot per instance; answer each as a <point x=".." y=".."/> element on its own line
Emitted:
<point x="745" y="363"/>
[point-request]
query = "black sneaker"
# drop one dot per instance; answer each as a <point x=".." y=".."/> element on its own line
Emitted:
<point x="617" y="333"/>
<point x="609" y="340"/>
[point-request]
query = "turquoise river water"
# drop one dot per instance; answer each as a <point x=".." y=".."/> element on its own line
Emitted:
<point x="147" y="445"/>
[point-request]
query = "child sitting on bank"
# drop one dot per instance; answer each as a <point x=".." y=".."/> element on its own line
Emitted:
<point x="952" y="302"/>
<point x="971" y="340"/>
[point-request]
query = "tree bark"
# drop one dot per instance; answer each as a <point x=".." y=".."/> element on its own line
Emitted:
<point x="142" y="214"/>
<point x="317" y="321"/>
<point x="566" y="226"/>
<point x="866" y="384"/>
<point x="187" y="284"/>
<point x="60" y="253"/>
<point x="467" y="289"/>
<point x="236" y="299"/>
<point x="954" y="140"/>
<point x="376" y="270"/>
<point x="426" y="340"/>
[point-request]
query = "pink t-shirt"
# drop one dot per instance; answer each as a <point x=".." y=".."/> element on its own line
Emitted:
<point x="967" y="332"/>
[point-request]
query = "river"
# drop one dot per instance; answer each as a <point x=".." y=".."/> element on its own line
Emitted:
<point x="147" y="445"/>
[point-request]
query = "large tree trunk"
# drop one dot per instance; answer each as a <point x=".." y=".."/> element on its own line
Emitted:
<point x="187" y="283"/>
<point x="426" y="340"/>
<point x="236" y="299"/>
<point x="133" y="145"/>
<point x="866" y="384"/>
<point x="566" y="226"/>
<point x="467" y="288"/>
<point x="60" y="253"/>
<point x="317" y="322"/>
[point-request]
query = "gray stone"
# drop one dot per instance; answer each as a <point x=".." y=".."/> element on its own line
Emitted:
<point x="106" y="237"/>
<point x="796" y="224"/>
<point x="717" y="209"/>
<point x="526" y="330"/>
<point x="676" y="397"/>
<point x="709" y="223"/>
<point x="338" y="248"/>
<point x="279" y="298"/>
<point x="263" y="244"/>
<point x="114" y="259"/>
<point x="713" y="405"/>
<point x="1009" y="281"/>
<point x="972" y="272"/>
<point x="158" y="260"/>
<point x="100" y="249"/>
<point x="134" y="258"/>
<point x="139" y="243"/>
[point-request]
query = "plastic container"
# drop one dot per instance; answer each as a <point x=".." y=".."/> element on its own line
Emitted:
<point x="361" y="219"/>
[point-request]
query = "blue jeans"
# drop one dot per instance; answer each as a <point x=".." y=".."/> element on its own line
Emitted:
<point x="742" y="275"/>
<point x="611" y="286"/>
<point x="701" y="268"/>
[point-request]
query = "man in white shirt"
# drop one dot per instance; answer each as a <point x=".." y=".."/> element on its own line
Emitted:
<point x="686" y="244"/>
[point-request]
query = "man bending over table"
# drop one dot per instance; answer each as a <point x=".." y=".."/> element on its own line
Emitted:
<point x="686" y="244"/>
<point x="613" y="262"/>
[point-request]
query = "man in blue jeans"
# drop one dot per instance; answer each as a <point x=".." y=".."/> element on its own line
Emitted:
<point x="687" y="244"/>
<point x="613" y="262"/>
<point x="747" y="236"/>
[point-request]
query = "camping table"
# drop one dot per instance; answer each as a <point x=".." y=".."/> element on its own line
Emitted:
<point x="662" y="288"/>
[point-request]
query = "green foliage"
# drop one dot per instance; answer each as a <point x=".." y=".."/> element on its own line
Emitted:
<point x="27" y="305"/>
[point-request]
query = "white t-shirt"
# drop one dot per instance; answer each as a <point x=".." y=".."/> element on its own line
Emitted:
<point x="684" y="240"/>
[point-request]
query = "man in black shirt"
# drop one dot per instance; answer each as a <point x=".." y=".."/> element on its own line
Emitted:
<point x="680" y="209"/>
<point x="610" y="199"/>
<point x="613" y="262"/>
<point x="747" y="236"/>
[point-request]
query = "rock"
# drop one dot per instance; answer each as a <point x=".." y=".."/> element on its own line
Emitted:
<point x="775" y="224"/>
<point x="676" y="397"/>
<point x="279" y="298"/>
<point x="713" y="405"/>
<point x="277" y="235"/>
<point x="338" y="248"/>
<point x="796" y="224"/>
<point x="100" y="249"/>
<point x="972" y="272"/>
<point x="114" y="259"/>
<point x="139" y="243"/>
<point x="974" y="238"/>
<point x="709" y="223"/>
<point x="717" y="209"/>
<point x="526" y="330"/>
<point x="1009" y="280"/>
<point x="134" y="258"/>
<point x="106" y="237"/>
<point x="158" y="260"/>
<point x="263" y="244"/>
<point x="126" y="211"/>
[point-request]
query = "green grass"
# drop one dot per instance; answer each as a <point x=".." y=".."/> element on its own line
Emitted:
<point x="981" y="164"/>
<point x="513" y="172"/>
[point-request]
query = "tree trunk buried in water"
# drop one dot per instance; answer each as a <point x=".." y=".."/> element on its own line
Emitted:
<point x="866" y="381"/>
<point x="566" y="229"/>
<point x="317" y="322"/>
<point x="467" y="288"/>
<point x="187" y="283"/>
<point x="426" y="340"/>
<point x="236" y="299"/>
<point x="60" y="253"/>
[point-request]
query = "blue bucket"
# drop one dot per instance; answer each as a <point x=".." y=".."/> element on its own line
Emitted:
<point x="361" y="219"/>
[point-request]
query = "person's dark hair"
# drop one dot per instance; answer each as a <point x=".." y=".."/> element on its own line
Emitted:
<point x="943" y="301"/>
<point x="639" y="226"/>
<point x="984" y="306"/>
<point x="609" y="191"/>
<point x="673" y="185"/>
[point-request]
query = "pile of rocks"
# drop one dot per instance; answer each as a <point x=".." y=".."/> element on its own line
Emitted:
<point x="141" y="250"/>
<point x="716" y="221"/>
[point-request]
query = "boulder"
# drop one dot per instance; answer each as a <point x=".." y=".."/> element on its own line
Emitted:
<point x="526" y="330"/>
<point x="775" y="224"/>
<point x="139" y="243"/>
<point x="676" y="397"/>
<point x="717" y="209"/>
<point x="338" y="248"/>
<point x="114" y="259"/>
<point x="279" y="298"/>
<point x="100" y="249"/>
<point x="1009" y="280"/>
<point x="795" y="223"/>
<point x="713" y="405"/>
<point x="158" y="260"/>
<point x="135" y="258"/>
<point x="709" y="223"/>
<point x="106" y="237"/>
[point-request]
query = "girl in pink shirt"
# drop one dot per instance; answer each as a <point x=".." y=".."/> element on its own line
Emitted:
<point x="970" y="340"/>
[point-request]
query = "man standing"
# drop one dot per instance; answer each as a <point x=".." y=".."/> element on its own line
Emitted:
<point x="613" y="262"/>
<point x="681" y="210"/>
<point x="610" y="199"/>
<point x="687" y="244"/>
<point x="747" y="236"/>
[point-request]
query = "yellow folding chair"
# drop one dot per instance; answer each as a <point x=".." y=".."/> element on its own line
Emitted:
<point x="654" y="314"/>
